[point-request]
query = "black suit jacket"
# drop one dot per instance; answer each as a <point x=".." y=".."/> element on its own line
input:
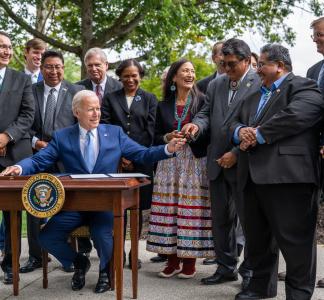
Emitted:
<point x="289" y="124"/>
<point x="216" y="112"/>
<point x="165" y="124"/>
<point x="314" y="70"/>
<point x="112" y="85"/>
<point x="137" y="122"/>
<point x="16" y="115"/>
<point x="63" y="112"/>
<point x="202" y="84"/>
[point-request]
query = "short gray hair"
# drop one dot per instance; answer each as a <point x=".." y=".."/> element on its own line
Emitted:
<point x="95" y="51"/>
<point x="321" y="19"/>
<point x="276" y="53"/>
<point x="79" y="96"/>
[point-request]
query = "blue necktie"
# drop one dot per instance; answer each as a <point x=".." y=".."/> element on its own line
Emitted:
<point x="89" y="151"/>
<point x="320" y="81"/>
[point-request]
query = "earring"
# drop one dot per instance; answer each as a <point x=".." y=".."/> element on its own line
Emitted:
<point x="173" y="87"/>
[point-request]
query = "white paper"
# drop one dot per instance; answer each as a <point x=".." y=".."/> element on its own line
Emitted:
<point x="88" y="176"/>
<point x="127" y="175"/>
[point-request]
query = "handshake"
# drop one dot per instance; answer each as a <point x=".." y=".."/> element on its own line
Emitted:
<point x="248" y="137"/>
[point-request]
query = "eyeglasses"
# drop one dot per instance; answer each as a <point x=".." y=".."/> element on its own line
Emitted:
<point x="230" y="64"/>
<point x="317" y="35"/>
<point x="53" y="67"/>
<point x="262" y="64"/>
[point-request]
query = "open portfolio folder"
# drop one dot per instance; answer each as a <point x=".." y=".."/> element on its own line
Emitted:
<point x="110" y="175"/>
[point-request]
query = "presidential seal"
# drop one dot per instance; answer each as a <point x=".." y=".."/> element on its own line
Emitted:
<point x="43" y="195"/>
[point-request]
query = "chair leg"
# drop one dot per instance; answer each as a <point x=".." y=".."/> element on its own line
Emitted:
<point x="45" y="268"/>
<point x="112" y="272"/>
<point x="74" y="243"/>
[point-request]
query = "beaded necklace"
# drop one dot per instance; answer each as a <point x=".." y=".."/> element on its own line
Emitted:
<point x="184" y="112"/>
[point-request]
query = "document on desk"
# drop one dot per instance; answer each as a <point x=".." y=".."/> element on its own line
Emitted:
<point x="127" y="175"/>
<point x="88" y="176"/>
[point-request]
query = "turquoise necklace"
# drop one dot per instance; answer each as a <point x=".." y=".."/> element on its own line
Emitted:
<point x="184" y="112"/>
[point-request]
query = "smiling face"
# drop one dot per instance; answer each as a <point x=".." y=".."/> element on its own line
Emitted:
<point x="235" y="67"/>
<point x="33" y="58"/>
<point x="96" y="68"/>
<point x="269" y="71"/>
<point x="53" y="70"/>
<point x="5" y="51"/>
<point x="88" y="113"/>
<point x="318" y="36"/>
<point x="185" y="76"/>
<point x="130" y="78"/>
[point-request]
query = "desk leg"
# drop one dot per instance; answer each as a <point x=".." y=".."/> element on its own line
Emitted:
<point x="15" y="226"/>
<point x="134" y="246"/>
<point x="119" y="254"/>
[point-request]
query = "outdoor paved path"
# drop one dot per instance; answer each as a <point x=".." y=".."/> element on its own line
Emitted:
<point x="150" y="286"/>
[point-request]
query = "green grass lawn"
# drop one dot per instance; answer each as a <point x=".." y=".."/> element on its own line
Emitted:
<point x="24" y="232"/>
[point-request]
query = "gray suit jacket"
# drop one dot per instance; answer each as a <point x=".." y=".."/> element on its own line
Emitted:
<point x="16" y="115"/>
<point x="63" y="113"/>
<point x="216" y="112"/>
<point x="111" y="86"/>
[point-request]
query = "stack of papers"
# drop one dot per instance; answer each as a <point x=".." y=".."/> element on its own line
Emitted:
<point x="111" y="175"/>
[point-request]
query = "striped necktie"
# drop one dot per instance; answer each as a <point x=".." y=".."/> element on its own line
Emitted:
<point x="48" y="126"/>
<point x="99" y="92"/>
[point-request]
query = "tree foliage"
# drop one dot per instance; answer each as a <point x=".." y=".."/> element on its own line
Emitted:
<point x="152" y="27"/>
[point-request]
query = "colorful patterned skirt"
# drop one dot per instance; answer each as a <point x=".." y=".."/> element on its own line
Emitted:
<point x="180" y="220"/>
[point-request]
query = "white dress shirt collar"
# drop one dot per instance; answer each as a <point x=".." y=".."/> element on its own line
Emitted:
<point x="47" y="88"/>
<point x="2" y="74"/>
<point x="102" y="84"/>
<point x="33" y="75"/>
<point x="83" y="133"/>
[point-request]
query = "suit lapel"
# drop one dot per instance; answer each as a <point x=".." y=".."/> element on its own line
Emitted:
<point x="122" y="100"/>
<point x="274" y="97"/>
<point x="103" y="135"/>
<point x="245" y="85"/>
<point x="7" y="81"/>
<point x="40" y="99"/>
<point x="137" y="101"/>
<point x="224" y="94"/>
<point x="60" y="98"/>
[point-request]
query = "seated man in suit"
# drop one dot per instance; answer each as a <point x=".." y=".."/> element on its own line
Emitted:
<point x="53" y="110"/>
<point x="87" y="147"/>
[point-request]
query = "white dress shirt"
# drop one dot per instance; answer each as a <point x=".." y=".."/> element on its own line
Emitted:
<point x="33" y="76"/>
<point x="2" y="74"/>
<point x="83" y="139"/>
<point x="102" y="84"/>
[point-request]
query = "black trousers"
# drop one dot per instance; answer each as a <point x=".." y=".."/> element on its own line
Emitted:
<point x="281" y="216"/>
<point x="33" y="229"/>
<point x="227" y="214"/>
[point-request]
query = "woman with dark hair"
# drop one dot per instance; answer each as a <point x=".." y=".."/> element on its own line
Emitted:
<point x="134" y="110"/>
<point x="180" y="221"/>
<point x="254" y="60"/>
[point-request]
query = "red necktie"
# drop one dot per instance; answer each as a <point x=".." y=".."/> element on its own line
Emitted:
<point x="99" y="92"/>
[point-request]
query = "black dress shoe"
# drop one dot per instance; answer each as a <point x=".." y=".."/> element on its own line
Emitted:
<point x="81" y="267"/>
<point x="209" y="261"/>
<point x="31" y="264"/>
<point x="245" y="283"/>
<point x="8" y="278"/>
<point x="103" y="283"/>
<point x="248" y="295"/>
<point x="218" y="278"/>
<point x="159" y="258"/>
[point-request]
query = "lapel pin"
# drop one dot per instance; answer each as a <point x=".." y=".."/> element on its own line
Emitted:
<point x="278" y="90"/>
<point x="248" y="84"/>
<point x="138" y="98"/>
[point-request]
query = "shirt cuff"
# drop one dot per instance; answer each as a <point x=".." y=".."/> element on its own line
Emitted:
<point x="20" y="169"/>
<point x="166" y="150"/>
<point x="259" y="137"/>
<point x="236" y="138"/>
<point x="34" y="140"/>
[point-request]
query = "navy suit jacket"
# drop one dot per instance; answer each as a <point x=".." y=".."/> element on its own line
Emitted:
<point x="113" y="144"/>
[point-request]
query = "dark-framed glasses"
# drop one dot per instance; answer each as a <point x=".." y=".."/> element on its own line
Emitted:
<point x="53" y="67"/>
<point x="230" y="64"/>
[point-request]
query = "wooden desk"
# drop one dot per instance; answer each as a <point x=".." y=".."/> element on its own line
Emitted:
<point x="84" y="195"/>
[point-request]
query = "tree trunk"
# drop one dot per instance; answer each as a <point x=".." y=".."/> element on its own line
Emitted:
<point x="42" y="13"/>
<point x="86" y="31"/>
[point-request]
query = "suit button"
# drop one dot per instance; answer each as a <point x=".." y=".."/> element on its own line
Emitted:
<point x="128" y="124"/>
<point x="128" y="132"/>
<point x="128" y="116"/>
